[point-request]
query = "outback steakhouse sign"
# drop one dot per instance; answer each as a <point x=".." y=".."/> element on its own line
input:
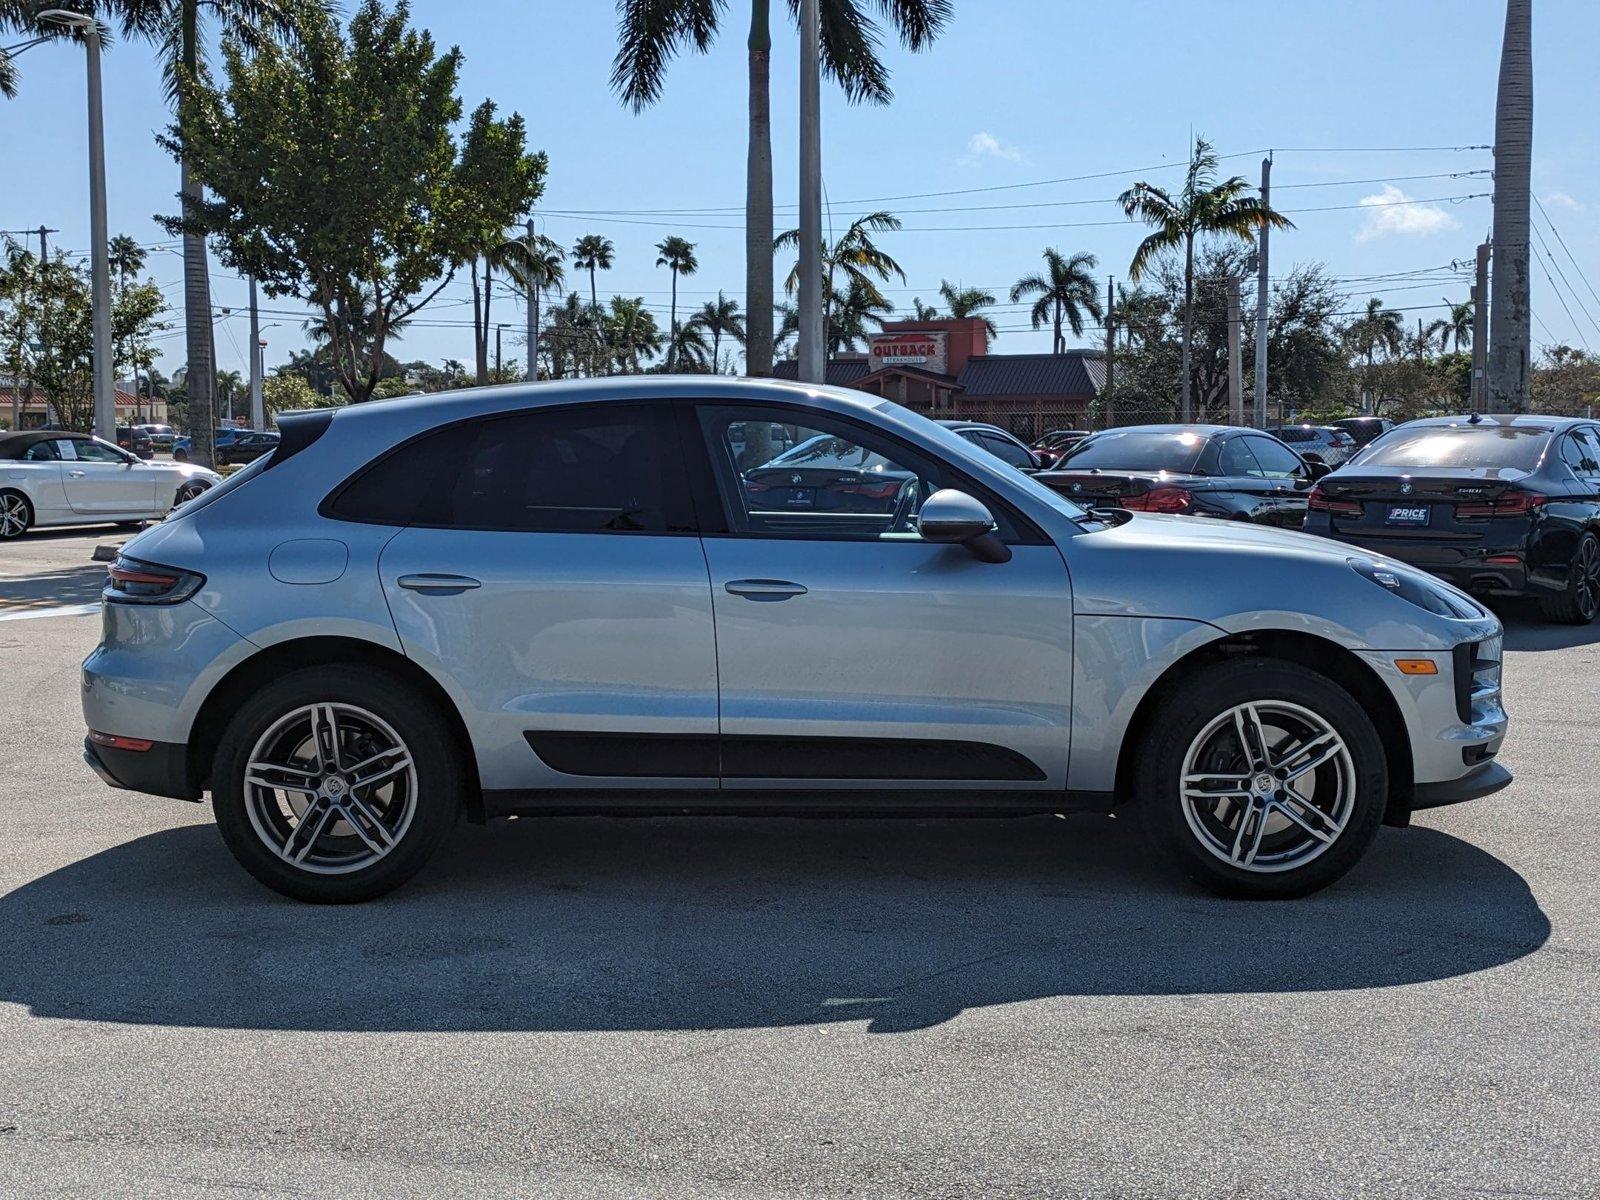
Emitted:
<point x="925" y="350"/>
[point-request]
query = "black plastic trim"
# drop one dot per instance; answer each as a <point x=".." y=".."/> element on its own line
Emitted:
<point x="299" y="430"/>
<point x="706" y="756"/>
<point x="162" y="770"/>
<point x="1485" y="781"/>
<point x="864" y="803"/>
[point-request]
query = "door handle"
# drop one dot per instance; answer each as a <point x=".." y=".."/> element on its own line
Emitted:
<point x="76" y="474"/>
<point x="764" y="589"/>
<point x="430" y="584"/>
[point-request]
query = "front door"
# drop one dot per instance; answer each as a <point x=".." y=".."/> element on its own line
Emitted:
<point x="554" y="581"/>
<point x="851" y="653"/>
<point x="102" y="480"/>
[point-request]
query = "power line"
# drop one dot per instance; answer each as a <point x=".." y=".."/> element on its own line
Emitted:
<point x="1563" y="242"/>
<point x="1545" y="246"/>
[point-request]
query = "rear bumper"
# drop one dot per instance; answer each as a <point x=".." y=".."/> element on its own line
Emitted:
<point x="1484" y="781"/>
<point x="1463" y="566"/>
<point x="161" y="770"/>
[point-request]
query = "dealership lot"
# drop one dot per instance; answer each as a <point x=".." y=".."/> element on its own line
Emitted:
<point x="725" y="1008"/>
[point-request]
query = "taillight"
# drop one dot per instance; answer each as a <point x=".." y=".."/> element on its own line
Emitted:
<point x="1515" y="503"/>
<point x="133" y="582"/>
<point x="1159" y="500"/>
<point x="874" y="491"/>
<point x="1320" y="501"/>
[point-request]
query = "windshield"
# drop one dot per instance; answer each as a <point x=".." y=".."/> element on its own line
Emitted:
<point x="1486" y="445"/>
<point x="1177" y="451"/>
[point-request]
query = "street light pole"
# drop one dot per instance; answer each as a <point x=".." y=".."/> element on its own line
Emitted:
<point x="105" y="396"/>
<point x="811" y="364"/>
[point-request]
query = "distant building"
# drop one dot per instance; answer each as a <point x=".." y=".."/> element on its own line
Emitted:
<point x="22" y="407"/>
<point x="944" y="370"/>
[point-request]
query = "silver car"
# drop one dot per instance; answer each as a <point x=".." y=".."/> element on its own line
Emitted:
<point x="50" y="477"/>
<point x="590" y="597"/>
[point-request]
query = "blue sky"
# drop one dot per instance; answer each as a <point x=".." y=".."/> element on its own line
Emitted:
<point x="1015" y="93"/>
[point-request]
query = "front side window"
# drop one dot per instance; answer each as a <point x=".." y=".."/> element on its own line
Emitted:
<point x="93" y="451"/>
<point x="1277" y="461"/>
<point x="598" y="468"/>
<point x="839" y="481"/>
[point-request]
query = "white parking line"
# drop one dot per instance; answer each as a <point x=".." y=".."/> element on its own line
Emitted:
<point x="60" y="610"/>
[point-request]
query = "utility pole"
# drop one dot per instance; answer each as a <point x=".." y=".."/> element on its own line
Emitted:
<point x="532" y="373"/>
<point x="258" y="408"/>
<point x="1109" y="411"/>
<point x="1235" y="362"/>
<point x="1258" y="406"/>
<point x="498" y="327"/>
<point x="812" y="368"/>
<point x="1480" y="332"/>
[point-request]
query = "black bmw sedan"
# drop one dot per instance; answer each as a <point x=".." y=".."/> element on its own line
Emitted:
<point x="1506" y="506"/>
<point x="1201" y="470"/>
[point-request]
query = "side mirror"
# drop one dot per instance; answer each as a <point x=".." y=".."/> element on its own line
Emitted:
<point x="953" y="517"/>
<point x="1316" y="465"/>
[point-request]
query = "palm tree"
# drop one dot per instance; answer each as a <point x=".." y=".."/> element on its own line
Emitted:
<point x="720" y="318"/>
<point x="1066" y="290"/>
<point x="924" y="312"/>
<point x="1202" y="207"/>
<point x="854" y="254"/>
<point x="968" y="302"/>
<point x="1458" y="325"/>
<point x="534" y="263"/>
<point x="177" y="29"/>
<point x="651" y="32"/>
<point x="229" y="384"/>
<point x="1138" y="313"/>
<point x="1509" y="333"/>
<point x="688" y="349"/>
<point x="126" y="257"/>
<point x="851" y="312"/>
<point x="677" y="254"/>
<point x="631" y="333"/>
<point x="1378" y="328"/>
<point x="593" y="252"/>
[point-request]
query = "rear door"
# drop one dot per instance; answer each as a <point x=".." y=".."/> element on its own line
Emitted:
<point x="102" y="480"/>
<point x="551" y="575"/>
<point x="854" y="655"/>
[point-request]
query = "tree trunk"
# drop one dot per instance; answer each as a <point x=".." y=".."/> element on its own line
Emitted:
<point x="1186" y="400"/>
<point x="200" y="375"/>
<point x="758" y="199"/>
<point x="1509" y="305"/>
<point x="533" y="331"/>
<point x="488" y="324"/>
<point x="672" y="324"/>
<point x="1055" y="344"/>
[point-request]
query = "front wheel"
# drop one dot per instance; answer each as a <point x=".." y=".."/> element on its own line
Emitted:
<point x="332" y="784"/>
<point x="180" y="455"/>
<point x="1579" y="601"/>
<point x="1263" y="780"/>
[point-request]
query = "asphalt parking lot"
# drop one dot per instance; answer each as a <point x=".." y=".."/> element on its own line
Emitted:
<point x="593" y="1008"/>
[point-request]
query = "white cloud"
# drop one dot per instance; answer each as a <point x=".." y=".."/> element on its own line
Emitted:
<point x="985" y="145"/>
<point x="1391" y="211"/>
<point x="1562" y="200"/>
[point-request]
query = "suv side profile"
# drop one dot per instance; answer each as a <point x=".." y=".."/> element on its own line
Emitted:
<point x="601" y="596"/>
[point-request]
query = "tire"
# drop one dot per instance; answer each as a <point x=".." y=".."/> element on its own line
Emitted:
<point x="364" y="839"/>
<point x="188" y="492"/>
<point x="1578" y="602"/>
<point x="180" y="455"/>
<point x="1195" y="733"/>
<point x="16" y="515"/>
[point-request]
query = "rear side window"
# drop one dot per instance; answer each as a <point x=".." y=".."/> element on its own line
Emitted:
<point x="607" y="468"/>
<point x="1277" y="462"/>
<point x="1008" y="452"/>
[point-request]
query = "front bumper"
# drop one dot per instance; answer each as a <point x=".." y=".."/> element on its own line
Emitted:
<point x="161" y="770"/>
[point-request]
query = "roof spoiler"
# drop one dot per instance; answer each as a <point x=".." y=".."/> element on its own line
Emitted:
<point x="298" y="430"/>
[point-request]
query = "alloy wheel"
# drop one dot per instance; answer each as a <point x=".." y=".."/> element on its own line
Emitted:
<point x="330" y="788"/>
<point x="1586" y="573"/>
<point x="1267" y="786"/>
<point x="13" y="516"/>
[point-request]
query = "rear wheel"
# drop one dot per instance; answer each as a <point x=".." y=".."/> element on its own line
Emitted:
<point x="16" y="515"/>
<point x="1579" y="601"/>
<point x="188" y="492"/>
<point x="333" y="784"/>
<point x="1263" y="780"/>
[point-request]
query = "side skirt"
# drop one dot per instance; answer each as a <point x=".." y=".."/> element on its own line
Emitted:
<point x="710" y="802"/>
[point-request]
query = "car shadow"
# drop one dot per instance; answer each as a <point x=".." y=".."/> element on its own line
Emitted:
<point x="595" y="924"/>
<point x="46" y="589"/>
<point x="1527" y="630"/>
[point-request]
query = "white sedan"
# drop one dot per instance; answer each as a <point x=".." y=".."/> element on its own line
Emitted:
<point x="52" y="478"/>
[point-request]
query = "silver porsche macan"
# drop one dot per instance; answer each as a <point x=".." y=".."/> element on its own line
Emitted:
<point x="702" y="595"/>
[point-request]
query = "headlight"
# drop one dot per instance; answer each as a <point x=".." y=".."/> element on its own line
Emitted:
<point x="1422" y="590"/>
